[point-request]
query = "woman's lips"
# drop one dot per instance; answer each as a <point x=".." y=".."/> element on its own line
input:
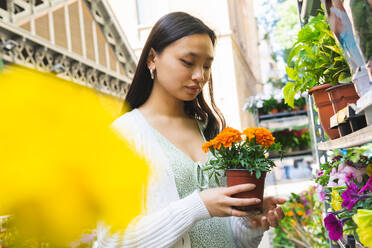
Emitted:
<point x="193" y="89"/>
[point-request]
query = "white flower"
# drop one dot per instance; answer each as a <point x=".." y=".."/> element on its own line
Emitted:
<point x="259" y="104"/>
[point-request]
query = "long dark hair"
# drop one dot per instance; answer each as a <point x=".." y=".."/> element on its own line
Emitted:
<point x="167" y="30"/>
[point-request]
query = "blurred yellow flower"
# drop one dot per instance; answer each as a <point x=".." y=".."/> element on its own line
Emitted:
<point x="62" y="168"/>
<point x="369" y="169"/>
<point x="300" y="205"/>
<point x="363" y="218"/>
<point x="336" y="200"/>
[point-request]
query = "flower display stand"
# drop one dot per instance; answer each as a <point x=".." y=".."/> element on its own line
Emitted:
<point x="355" y="139"/>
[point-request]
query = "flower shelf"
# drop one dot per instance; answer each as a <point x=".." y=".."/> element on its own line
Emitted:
<point x="342" y="243"/>
<point x="285" y="122"/>
<point x="360" y="137"/>
<point x="294" y="155"/>
<point x="281" y="115"/>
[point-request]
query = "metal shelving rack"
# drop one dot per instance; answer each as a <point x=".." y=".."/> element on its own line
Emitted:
<point x="321" y="146"/>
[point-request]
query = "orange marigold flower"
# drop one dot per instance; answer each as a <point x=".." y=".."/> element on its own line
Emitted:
<point x="250" y="133"/>
<point x="264" y="137"/>
<point x="206" y="146"/>
<point x="300" y="213"/>
<point x="226" y="137"/>
<point x="290" y="214"/>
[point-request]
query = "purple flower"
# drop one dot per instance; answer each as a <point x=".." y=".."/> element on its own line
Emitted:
<point x="320" y="173"/>
<point x="309" y="212"/>
<point x="333" y="226"/>
<point x="304" y="200"/>
<point x="350" y="196"/>
<point x="367" y="186"/>
<point x="337" y="158"/>
<point x="349" y="163"/>
<point x="349" y="176"/>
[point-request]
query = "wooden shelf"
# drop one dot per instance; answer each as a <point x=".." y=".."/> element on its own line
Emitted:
<point x="360" y="137"/>
<point x="281" y="115"/>
<point x="281" y="123"/>
<point x="294" y="155"/>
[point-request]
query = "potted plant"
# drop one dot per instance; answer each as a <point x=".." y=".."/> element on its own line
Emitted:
<point x="243" y="157"/>
<point x="270" y="106"/>
<point x="316" y="63"/>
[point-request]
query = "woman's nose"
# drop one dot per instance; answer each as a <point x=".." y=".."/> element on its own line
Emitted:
<point x="198" y="75"/>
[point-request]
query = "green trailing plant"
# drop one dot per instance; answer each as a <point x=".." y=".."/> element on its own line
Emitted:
<point x="302" y="225"/>
<point x="314" y="59"/>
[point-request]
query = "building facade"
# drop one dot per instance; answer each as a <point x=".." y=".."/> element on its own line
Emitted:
<point x="80" y="40"/>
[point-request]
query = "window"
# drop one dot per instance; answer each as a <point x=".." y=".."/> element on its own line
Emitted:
<point x="149" y="11"/>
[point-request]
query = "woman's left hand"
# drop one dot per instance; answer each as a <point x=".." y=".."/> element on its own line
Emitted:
<point x="272" y="213"/>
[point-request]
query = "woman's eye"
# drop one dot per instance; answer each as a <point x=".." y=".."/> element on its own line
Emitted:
<point x="207" y="67"/>
<point x="186" y="62"/>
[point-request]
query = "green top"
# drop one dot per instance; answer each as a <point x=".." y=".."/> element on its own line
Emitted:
<point x="214" y="232"/>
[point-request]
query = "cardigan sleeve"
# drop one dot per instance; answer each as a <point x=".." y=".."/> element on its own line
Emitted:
<point x="159" y="229"/>
<point x="244" y="234"/>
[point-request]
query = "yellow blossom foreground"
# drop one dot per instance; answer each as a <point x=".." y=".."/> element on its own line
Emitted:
<point x="363" y="218"/>
<point x="62" y="169"/>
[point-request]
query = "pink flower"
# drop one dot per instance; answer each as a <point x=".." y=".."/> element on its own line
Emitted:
<point x="368" y="186"/>
<point x="345" y="174"/>
<point x="321" y="193"/>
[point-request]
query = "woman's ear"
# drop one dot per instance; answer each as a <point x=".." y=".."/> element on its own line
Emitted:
<point x="151" y="59"/>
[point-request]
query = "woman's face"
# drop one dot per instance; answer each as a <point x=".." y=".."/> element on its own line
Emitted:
<point x="184" y="67"/>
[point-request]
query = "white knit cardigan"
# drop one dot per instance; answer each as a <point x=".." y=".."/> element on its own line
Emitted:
<point x="166" y="219"/>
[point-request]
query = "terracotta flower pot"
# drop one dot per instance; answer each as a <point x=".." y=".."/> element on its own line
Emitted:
<point x="342" y="94"/>
<point x="325" y="109"/>
<point x="275" y="111"/>
<point x="242" y="176"/>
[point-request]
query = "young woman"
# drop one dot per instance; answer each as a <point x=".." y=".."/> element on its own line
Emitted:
<point x="169" y="123"/>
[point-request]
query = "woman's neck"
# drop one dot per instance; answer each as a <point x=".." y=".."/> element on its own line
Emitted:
<point x="160" y="102"/>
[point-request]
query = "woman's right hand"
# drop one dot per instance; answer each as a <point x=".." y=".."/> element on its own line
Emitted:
<point x="219" y="202"/>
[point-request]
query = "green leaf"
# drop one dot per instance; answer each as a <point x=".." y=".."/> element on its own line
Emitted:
<point x="210" y="176"/>
<point x="289" y="92"/>
<point x="216" y="179"/>
<point x="291" y="73"/>
<point x="335" y="49"/>
<point x="258" y="174"/>
<point x="207" y="168"/>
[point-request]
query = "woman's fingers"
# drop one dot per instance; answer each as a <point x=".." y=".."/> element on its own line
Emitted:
<point x="239" y="188"/>
<point x="273" y="221"/>
<point x="241" y="202"/>
<point x="279" y="213"/>
<point x="279" y="200"/>
<point x="238" y="213"/>
<point x="265" y="224"/>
